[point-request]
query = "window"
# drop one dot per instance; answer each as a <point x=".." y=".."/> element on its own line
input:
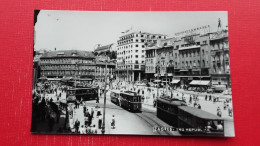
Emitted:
<point x="136" y="62"/>
<point x="136" y="56"/>
<point x="136" y="45"/>
<point x="142" y="46"/>
<point x="142" y="56"/>
<point x="136" y="40"/>
<point x="142" y="51"/>
<point x="136" y="51"/>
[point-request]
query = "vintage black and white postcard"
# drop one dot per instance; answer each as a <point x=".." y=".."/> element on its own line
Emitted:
<point x="132" y="73"/>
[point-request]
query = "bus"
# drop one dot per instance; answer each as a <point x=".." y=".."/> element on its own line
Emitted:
<point x="130" y="101"/>
<point x="83" y="94"/>
<point x="167" y="109"/>
<point x="115" y="96"/>
<point x="194" y="121"/>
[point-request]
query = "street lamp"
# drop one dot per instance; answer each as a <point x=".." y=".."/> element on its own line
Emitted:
<point x="104" y="108"/>
<point x="158" y="72"/>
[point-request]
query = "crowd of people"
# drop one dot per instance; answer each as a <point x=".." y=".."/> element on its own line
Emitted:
<point x="45" y="109"/>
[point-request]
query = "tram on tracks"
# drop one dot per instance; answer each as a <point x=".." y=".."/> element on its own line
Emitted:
<point x="115" y="96"/>
<point x="189" y="120"/>
<point x="83" y="94"/>
<point x="167" y="109"/>
<point x="130" y="101"/>
<point x="194" y="121"/>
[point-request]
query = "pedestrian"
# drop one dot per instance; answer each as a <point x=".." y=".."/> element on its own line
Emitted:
<point x="97" y="100"/>
<point x="98" y="112"/>
<point x="230" y="111"/>
<point x="113" y="122"/>
<point x="99" y="121"/>
<point x="206" y="97"/>
<point x="76" y="125"/>
<point x="199" y="107"/>
<point x="94" y="129"/>
<point x="209" y="97"/>
<point x="154" y="102"/>
<point x="82" y="130"/>
<point x="84" y="108"/>
<point x="219" y="112"/>
<point x="190" y="101"/>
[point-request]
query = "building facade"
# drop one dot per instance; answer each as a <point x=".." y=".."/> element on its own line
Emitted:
<point x="220" y="65"/>
<point x="159" y="60"/>
<point x="192" y="58"/>
<point x="72" y="63"/>
<point x="131" y="55"/>
<point x="189" y="58"/>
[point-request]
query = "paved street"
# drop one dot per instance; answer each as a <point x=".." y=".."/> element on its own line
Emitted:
<point x="135" y="123"/>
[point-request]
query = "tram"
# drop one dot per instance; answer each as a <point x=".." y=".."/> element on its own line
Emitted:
<point x="194" y="121"/>
<point x="83" y="94"/>
<point x="167" y="109"/>
<point x="115" y="96"/>
<point x="130" y="101"/>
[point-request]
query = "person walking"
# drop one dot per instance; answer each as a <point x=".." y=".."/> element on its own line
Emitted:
<point x="190" y="101"/>
<point x="76" y="125"/>
<point x="91" y="116"/>
<point x="199" y="107"/>
<point x="113" y="122"/>
<point x="206" y="97"/>
<point x="99" y="121"/>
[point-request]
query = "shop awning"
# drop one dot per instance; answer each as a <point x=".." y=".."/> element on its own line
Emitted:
<point x="54" y="79"/>
<point x="183" y="70"/>
<point x="199" y="82"/>
<point x="175" y="81"/>
<point x="157" y="81"/>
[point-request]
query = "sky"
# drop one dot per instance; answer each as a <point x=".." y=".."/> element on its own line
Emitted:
<point x="83" y="30"/>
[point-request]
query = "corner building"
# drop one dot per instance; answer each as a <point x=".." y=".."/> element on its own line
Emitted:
<point x="131" y="54"/>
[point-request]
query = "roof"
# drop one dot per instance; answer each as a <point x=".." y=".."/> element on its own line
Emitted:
<point x="116" y="91"/>
<point x="199" y="113"/>
<point x="68" y="53"/>
<point x="199" y="82"/>
<point x="131" y="93"/>
<point x="103" y="48"/>
<point x="171" y="101"/>
<point x="169" y="42"/>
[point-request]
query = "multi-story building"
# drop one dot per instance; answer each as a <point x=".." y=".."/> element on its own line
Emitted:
<point x="192" y="58"/>
<point x="220" y="67"/>
<point x="104" y="56"/>
<point x="159" y="60"/>
<point x="196" y="55"/>
<point x="131" y="54"/>
<point x="73" y="63"/>
<point x="67" y="63"/>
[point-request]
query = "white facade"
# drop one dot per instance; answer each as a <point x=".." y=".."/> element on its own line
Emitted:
<point x="131" y="53"/>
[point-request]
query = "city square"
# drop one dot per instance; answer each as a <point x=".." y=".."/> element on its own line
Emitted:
<point x="144" y="83"/>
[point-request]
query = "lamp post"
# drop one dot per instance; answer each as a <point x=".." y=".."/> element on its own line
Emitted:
<point x="105" y="92"/>
<point x="158" y="72"/>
